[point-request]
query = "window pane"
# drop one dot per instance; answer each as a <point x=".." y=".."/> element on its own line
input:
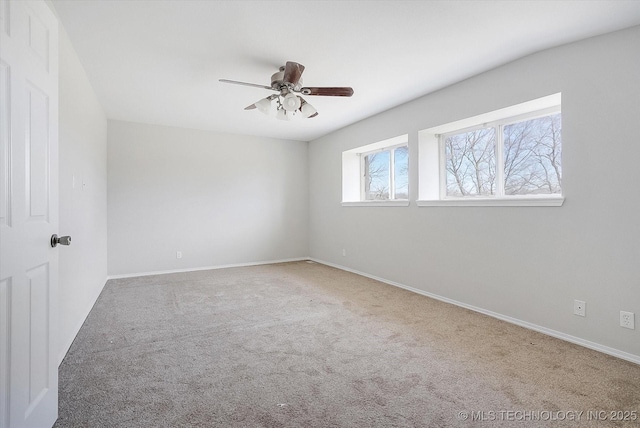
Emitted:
<point x="532" y="152"/>
<point x="377" y="176"/>
<point x="471" y="166"/>
<point x="401" y="172"/>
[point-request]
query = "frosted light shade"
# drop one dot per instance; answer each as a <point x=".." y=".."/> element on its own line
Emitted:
<point x="308" y="110"/>
<point x="264" y="105"/>
<point x="282" y="115"/>
<point x="291" y="102"/>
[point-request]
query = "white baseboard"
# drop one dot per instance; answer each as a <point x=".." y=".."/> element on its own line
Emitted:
<point x="86" y="312"/>
<point x="549" y="332"/>
<point x="233" y="265"/>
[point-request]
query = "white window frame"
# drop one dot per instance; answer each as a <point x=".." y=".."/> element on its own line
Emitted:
<point x="353" y="173"/>
<point x="498" y="125"/>
<point x="499" y="119"/>
<point x="392" y="170"/>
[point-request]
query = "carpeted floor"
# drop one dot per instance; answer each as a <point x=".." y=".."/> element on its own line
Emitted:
<point x="305" y="345"/>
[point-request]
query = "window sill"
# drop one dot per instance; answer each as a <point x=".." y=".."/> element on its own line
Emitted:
<point x="397" y="203"/>
<point x="535" y="201"/>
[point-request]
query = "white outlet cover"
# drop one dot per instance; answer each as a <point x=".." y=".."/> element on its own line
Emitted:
<point x="579" y="308"/>
<point x="627" y="320"/>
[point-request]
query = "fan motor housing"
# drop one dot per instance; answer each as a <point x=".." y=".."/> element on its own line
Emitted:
<point x="276" y="79"/>
<point x="277" y="82"/>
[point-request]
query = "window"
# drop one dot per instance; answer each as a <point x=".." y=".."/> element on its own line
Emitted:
<point x="508" y="157"/>
<point x="532" y="156"/>
<point x="377" y="174"/>
<point x="385" y="174"/>
<point x="470" y="162"/>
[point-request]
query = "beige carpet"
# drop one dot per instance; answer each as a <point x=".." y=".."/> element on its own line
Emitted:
<point x="305" y="345"/>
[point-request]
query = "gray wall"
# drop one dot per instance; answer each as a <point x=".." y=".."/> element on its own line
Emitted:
<point x="83" y="209"/>
<point x="220" y="199"/>
<point x="527" y="263"/>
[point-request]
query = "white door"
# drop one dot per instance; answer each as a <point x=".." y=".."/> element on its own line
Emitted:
<point x="28" y="214"/>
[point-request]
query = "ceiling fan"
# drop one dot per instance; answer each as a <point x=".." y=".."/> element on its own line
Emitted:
<point x="287" y="82"/>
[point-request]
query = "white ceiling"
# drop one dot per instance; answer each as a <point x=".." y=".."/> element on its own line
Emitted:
<point x="159" y="61"/>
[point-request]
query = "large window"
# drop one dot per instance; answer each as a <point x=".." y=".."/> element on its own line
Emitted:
<point x="511" y="156"/>
<point x="516" y="156"/>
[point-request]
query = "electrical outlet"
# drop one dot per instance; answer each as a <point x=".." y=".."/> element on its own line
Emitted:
<point x="627" y="320"/>
<point x="344" y="252"/>
<point x="178" y="254"/>
<point x="579" y="308"/>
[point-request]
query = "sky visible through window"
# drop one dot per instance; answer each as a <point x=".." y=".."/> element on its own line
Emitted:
<point x="401" y="157"/>
<point x="378" y="181"/>
<point x="531" y="150"/>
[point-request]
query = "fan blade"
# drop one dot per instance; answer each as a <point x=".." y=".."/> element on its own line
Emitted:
<point x="328" y="92"/>
<point x="246" y="84"/>
<point x="293" y="72"/>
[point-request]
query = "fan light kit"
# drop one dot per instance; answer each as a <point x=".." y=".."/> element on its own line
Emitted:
<point x="287" y="82"/>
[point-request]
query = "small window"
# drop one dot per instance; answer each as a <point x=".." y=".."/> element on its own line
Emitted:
<point x="377" y="174"/>
<point x="386" y="174"/>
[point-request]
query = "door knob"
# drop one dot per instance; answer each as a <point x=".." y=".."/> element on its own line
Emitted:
<point x="62" y="240"/>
